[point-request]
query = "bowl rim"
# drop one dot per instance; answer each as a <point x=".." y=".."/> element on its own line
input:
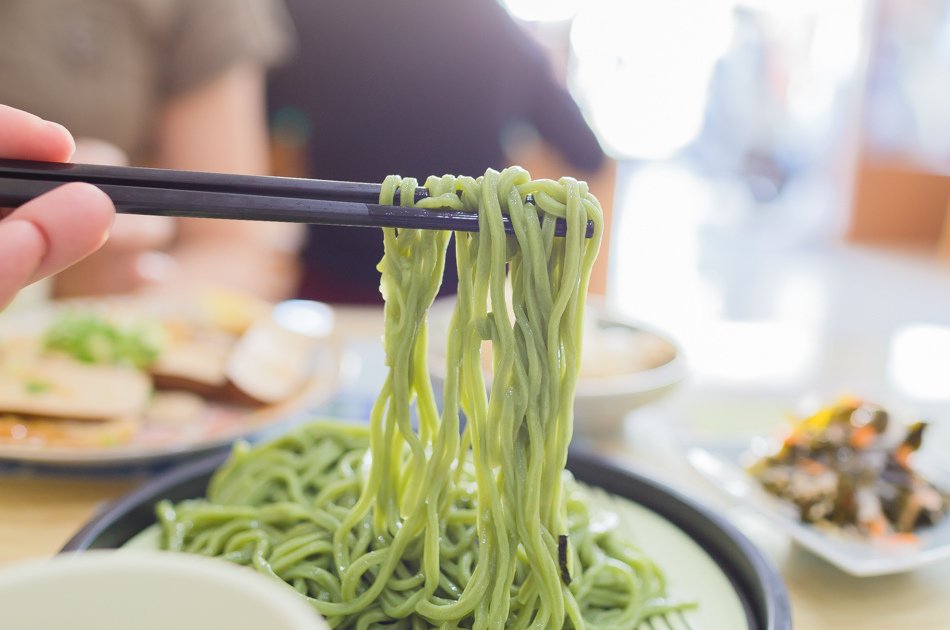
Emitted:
<point x="638" y="382"/>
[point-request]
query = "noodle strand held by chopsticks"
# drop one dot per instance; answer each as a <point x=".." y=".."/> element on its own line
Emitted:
<point x="415" y="522"/>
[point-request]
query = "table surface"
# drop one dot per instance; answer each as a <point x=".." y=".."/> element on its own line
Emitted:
<point x="738" y="388"/>
<point x="38" y="513"/>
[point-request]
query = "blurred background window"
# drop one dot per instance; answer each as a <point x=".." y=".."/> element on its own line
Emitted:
<point x="782" y="180"/>
<point x="764" y="95"/>
<point x="909" y="86"/>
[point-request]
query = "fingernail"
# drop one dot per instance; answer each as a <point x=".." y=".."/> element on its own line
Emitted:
<point x="56" y="125"/>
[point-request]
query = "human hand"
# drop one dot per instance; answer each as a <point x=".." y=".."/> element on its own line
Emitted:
<point x="55" y="230"/>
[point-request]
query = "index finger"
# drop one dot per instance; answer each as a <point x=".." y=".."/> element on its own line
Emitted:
<point x="24" y="136"/>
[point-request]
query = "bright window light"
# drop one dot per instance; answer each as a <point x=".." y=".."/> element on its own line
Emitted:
<point x="542" y="10"/>
<point x="919" y="362"/>
<point x="642" y="70"/>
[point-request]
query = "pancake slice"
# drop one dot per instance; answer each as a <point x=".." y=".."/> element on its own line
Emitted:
<point x="59" y="387"/>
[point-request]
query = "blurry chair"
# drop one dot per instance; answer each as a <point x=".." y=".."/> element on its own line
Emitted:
<point x="943" y="247"/>
<point x="898" y="203"/>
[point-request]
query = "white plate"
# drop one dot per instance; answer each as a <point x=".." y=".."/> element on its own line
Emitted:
<point x="220" y="425"/>
<point x="857" y="556"/>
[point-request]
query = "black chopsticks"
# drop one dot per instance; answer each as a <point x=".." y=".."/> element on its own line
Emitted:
<point x="163" y="192"/>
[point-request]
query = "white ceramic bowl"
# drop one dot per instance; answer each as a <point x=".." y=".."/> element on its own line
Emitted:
<point x="601" y="403"/>
<point x="604" y="395"/>
<point x="147" y="591"/>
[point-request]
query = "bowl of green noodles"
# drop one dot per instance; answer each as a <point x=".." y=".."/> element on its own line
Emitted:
<point x="461" y="510"/>
<point x="710" y="576"/>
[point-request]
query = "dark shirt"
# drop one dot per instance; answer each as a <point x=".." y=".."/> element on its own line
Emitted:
<point x="415" y="88"/>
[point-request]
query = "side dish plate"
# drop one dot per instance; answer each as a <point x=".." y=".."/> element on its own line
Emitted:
<point x="850" y="553"/>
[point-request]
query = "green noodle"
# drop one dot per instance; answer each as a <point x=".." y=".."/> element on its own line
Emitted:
<point x="414" y="522"/>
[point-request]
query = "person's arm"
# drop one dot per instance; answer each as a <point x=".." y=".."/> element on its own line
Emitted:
<point x="544" y="161"/>
<point x="221" y="127"/>
<point x="563" y="142"/>
<point x="54" y="230"/>
<point x="217" y="126"/>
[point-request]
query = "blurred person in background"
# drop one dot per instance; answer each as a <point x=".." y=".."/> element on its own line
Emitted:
<point x="56" y="229"/>
<point x="417" y="88"/>
<point x="165" y="83"/>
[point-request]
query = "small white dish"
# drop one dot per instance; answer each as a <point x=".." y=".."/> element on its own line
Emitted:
<point x="147" y="590"/>
<point x="627" y="364"/>
<point x="861" y="557"/>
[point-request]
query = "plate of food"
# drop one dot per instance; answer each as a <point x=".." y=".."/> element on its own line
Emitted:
<point x="843" y="482"/>
<point x="130" y="380"/>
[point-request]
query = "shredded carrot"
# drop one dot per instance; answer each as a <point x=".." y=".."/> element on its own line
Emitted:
<point x="813" y="467"/>
<point x="863" y="437"/>
<point x="792" y="439"/>
<point x="877" y="528"/>
<point x="903" y="538"/>
<point x="902" y="455"/>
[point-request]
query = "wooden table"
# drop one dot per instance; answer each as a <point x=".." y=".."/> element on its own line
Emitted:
<point x="39" y="513"/>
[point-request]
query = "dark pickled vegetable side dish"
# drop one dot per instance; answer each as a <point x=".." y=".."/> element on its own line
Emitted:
<point x="849" y="467"/>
